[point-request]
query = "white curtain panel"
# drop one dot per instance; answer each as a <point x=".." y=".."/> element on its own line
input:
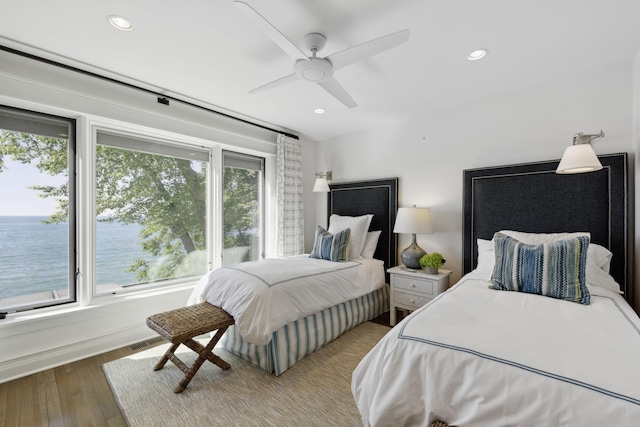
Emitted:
<point x="290" y="197"/>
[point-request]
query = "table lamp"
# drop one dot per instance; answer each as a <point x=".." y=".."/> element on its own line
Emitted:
<point x="414" y="221"/>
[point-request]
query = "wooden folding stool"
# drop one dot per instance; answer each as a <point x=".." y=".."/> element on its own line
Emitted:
<point x="180" y="326"/>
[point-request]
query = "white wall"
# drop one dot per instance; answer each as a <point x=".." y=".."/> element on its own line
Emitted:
<point x="429" y="152"/>
<point x="636" y="146"/>
<point x="309" y="160"/>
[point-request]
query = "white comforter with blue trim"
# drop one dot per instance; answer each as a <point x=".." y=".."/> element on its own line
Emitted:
<point x="263" y="296"/>
<point x="481" y="357"/>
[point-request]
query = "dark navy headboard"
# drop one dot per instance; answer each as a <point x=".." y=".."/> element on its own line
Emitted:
<point x="377" y="197"/>
<point x="531" y="197"/>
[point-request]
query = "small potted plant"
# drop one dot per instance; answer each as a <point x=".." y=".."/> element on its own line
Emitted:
<point x="431" y="262"/>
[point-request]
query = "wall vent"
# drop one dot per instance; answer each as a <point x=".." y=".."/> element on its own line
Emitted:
<point x="147" y="343"/>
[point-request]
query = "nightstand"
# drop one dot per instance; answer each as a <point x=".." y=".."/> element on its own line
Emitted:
<point x="411" y="289"/>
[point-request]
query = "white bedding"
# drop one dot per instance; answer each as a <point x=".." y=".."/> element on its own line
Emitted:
<point x="263" y="296"/>
<point x="479" y="357"/>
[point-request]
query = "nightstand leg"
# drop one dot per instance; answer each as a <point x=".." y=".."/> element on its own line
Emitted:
<point x="392" y="315"/>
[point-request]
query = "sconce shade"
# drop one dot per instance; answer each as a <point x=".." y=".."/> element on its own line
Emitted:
<point x="413" y="221"/>
<point x="579" y="159"/>
<point x="321" y="186"/>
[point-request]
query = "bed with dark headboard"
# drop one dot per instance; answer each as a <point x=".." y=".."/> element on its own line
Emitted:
<point x="536" y="331"/>
<point x="295" y="340"/>
<point x="532" y="198"/>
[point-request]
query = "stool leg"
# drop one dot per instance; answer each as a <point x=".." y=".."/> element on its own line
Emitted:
<point x="212" y="357"/>
<point x="166" y="357"/>
<point x="204" y="353"/>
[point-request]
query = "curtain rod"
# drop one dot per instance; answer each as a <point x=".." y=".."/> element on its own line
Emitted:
<point x="162" y="98"/>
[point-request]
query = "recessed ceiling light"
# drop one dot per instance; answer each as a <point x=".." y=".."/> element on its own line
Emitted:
<point x="477" y="54"/>
<point x="120" y="23"/>
<point x="319" y="111"/>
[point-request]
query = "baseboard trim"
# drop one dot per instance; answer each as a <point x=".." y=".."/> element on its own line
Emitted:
<point x="52" y="358"/>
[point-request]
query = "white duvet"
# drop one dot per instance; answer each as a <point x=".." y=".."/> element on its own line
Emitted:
<point x="263" y="296"/>
<point x="481" y="357"/>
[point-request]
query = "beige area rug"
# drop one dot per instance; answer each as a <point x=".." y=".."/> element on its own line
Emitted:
<point x="316" y="391"/>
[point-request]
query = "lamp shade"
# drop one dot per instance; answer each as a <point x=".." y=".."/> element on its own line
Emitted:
<point x="413" y="221"/>
<point x="321" y="186"/>
<point x="578" y="159"/>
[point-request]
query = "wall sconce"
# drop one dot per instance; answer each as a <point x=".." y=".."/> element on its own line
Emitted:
<point x="414" y="221"/>
<point x="580" y="157"/>
<point x="321" y="185"/>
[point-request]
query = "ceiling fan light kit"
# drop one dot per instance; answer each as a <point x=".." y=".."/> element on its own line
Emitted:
<point x="319" y="70"/>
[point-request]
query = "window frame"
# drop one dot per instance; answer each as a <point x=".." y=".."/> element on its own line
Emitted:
<point x="72" y="207"/>
<point x="250" y="158"/>
<point x="82" y="204"/>
<point x="142" y="135"/>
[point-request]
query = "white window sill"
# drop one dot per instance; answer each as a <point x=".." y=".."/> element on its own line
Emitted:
<point x="47" y="313"/>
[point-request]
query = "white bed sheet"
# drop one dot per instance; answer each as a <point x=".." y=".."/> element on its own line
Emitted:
<point x="478" y="357"/>
<point x="263" y="296"/>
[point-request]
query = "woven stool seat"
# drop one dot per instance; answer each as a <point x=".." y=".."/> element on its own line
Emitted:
<point x="180" y="326"/>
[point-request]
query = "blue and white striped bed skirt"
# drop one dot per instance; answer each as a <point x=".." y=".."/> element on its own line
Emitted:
<point x="294" y="341"/>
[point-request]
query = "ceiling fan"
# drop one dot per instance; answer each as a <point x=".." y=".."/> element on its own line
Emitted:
<point x="313" y="68"/>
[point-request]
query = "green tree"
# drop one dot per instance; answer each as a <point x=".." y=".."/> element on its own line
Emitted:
<point x="166" y="195"/>
<point x="241" y="207"/>
<point x="50" y="155"/>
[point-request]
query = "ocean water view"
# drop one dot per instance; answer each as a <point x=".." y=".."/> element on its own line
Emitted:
<point x="34" y="255"/>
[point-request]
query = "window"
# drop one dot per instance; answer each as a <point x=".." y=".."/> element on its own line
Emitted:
<point x="243" y="183"/>
<point x="151" y="211"/>
<point x="153" y="205"/>
<point x="37" y="210"/>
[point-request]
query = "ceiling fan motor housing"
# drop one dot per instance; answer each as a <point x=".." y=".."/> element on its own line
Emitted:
<point x="313" y="69"/>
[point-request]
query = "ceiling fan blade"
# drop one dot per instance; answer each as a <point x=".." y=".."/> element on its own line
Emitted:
<point x="271" y="31"/>
<point x="367" y="49"/>
<point x="332" y="86"/>
<point x="281" y="81"/>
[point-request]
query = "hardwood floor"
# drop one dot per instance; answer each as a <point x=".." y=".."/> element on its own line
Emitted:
<point x="76" y="394"/>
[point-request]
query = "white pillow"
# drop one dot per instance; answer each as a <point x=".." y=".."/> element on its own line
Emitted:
<point x="359" y="226"/>
<point x="598" y="257"/>
<point x="601" y="256"/>
<point x="598" y="277"/>
<point x="486" y="256"/>
<point x="370" y="244"/>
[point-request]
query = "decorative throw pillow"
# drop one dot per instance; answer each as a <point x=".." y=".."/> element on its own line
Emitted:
<point x="332" y="247"/>
<point x="555" y="269"/>
<point x="598" y="257"/>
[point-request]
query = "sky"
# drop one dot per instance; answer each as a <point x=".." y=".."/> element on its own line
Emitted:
<point x="16" y="198"/>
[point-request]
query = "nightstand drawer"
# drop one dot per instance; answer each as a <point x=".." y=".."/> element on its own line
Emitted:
<point x="410" y="290"/>
<point x="413" y="284"/>
<point x="410" y="301"/>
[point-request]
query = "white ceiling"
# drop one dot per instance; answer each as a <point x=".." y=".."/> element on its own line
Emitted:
<point x="206" y="50"/>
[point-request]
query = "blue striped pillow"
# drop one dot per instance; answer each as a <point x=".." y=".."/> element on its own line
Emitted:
<point x="554" y="269"/>
<point x="333" y="247"/>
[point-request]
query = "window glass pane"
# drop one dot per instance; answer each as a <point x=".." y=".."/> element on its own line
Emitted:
<point x="36" y="238"/>
<point x="243" y="210"/>
<point x="151" y="214"/>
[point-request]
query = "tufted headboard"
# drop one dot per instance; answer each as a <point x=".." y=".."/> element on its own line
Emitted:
<point x="531" y="197"/>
